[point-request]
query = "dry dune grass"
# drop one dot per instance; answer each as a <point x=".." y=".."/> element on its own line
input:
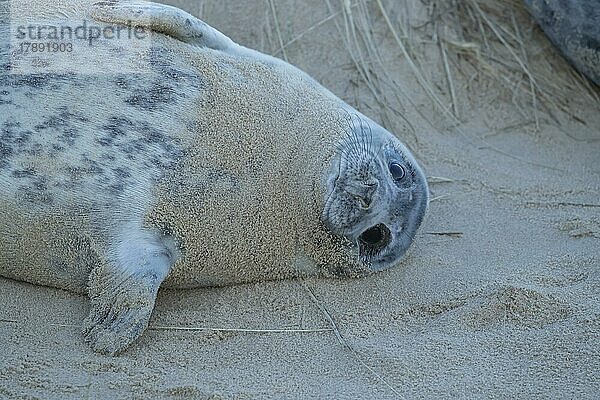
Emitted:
<point x="471" y="44"/>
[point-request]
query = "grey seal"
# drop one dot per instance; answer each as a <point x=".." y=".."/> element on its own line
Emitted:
<point x="212" y="164"/>
<point x="574" y="28"/>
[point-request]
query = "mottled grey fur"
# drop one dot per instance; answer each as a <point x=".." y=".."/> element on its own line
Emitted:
<point x="212" y="165"/>
<point x="574" y="27"/>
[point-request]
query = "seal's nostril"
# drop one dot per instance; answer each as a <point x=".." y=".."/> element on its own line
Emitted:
<point x="372" y="182"/>
<point x="365" y="203"/>
<point x="371" y="189"/>
<point x="363" y="192"/>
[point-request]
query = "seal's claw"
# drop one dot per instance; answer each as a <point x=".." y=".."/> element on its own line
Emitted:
<point x="124" y="291"/>
<point x="115" y="332"/>
<point x="117" y="319"/>
<point x="164" y="19"/>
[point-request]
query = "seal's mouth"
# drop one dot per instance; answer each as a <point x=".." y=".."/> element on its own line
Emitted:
<point x="373" y="240"/>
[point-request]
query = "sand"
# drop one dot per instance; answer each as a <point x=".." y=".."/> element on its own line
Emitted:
<point x="498" y="298"/>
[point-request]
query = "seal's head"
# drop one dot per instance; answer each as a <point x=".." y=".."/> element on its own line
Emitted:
<point x="376" y="198"/>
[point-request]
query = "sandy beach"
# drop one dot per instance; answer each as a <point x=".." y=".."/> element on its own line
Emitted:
<point x="498" y="298"/>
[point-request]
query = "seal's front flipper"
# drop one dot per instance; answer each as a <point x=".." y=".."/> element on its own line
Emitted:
<point x="123" y="291"/>
<point x="161" y="18"/>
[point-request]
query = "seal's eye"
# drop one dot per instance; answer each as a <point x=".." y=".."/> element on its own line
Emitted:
<point x="398" y="172"/>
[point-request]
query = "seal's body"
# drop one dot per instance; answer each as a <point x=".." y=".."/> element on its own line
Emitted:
<point x="574" y="28"/>
<point x="212" y="164"/>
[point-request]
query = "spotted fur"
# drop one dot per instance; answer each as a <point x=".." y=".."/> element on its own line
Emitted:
<point x="211" y="165"/>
